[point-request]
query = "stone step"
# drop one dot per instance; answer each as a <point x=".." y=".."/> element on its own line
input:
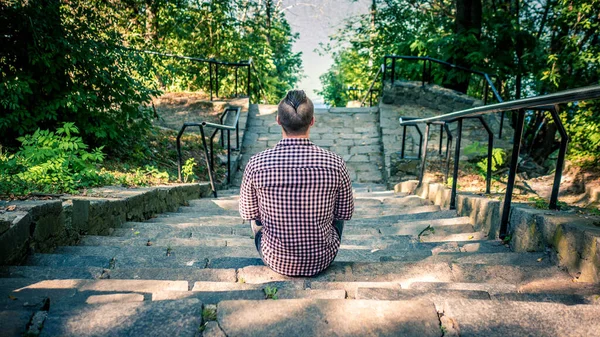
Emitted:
<point x="439" y="227"/>
<point x="439" y="294"/>
<point x="418" y="213"/>
<point x="228" y="241"/>
<point x="14" y="322"/>
<point x="148" y="318"/>
<point x="433" y="268"/>
<point x="154" y="231"/>
<point x="102" y="285"/>
<point x="515" y="318"/>
<point x="215" y="292"/>
<point x="447" y="237"/>
<point x="194" y="218"/>
<point x="219" y="257"/>
<point x="378" y="195"/>
<point x="119" y="241"/>
<point x="49" y="273"/>
<point x="406" y="273"/>
<point x="319" y="317"/>
<point x="351" y="287"/>
<point x="393" y="213"/>
<point x="445" y="219"/>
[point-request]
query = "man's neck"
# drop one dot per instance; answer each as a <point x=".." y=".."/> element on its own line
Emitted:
<point x="286" y="136"/>
<point x="295" y="136"/>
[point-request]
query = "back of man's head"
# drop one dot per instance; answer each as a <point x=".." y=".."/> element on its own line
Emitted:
<point x="295" y="112"/>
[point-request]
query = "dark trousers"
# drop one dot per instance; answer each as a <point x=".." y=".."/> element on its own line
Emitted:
<point x="257" y="230"/>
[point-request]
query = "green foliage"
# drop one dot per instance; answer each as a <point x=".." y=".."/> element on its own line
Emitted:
<point x="51" y="162"/>
<point x="142" y="176"/>
<point x="539" y="203"/>
<point x="209" y="314"/>
<point x="270" y="293"/>
<point x="62" y="62"/>
<point x="535" y="48"/>
<point x="498" y="160"/>
<point x="188" y="170"/>
<point x="76" y="61"/>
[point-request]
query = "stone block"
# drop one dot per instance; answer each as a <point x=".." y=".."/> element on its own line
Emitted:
<point x="318" y="317"/>
<point x="484" y="213"/>
<point x="15" y="241"/>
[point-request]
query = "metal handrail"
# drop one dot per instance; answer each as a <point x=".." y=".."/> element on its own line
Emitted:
<point x="427" y="74"/>
<point x="362" y="102"/>
<point x="210" y="157"/>
<point x="548" y="103"/>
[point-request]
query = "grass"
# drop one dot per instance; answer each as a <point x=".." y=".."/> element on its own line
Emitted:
<point x="270" y="293"/>
<point x="209" y="314"/>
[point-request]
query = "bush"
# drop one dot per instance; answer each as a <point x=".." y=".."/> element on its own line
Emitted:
<point x="51" y="162"/>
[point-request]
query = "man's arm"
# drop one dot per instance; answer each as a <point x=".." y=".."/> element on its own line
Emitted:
<point x="248" y="199"/>
<point x="344" y="204"/>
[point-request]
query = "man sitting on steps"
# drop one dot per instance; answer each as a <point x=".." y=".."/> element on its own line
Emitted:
<point x="296" y="195"/>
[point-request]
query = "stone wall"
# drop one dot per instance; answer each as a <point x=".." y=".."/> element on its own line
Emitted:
<point x="410" y="99"/>
<point x="41" y="226"/>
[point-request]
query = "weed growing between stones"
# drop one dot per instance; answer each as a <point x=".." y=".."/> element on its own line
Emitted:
<point x="112" y="263"/>
<point x="209" y="314"/>
<point x="270" y="293"/>
<point x="424" y="232"/>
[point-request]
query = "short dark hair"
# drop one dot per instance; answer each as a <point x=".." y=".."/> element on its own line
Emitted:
<point x="295" y="112"/>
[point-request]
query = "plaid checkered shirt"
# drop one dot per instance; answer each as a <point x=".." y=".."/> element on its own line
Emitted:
<point x="297" y="190"/>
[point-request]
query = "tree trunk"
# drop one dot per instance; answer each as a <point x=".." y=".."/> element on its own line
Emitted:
<point x="467" y="23"/>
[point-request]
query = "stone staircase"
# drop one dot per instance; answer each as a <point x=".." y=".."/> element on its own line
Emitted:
<point x="405" y="268"/>
<point x="390" y="278"/>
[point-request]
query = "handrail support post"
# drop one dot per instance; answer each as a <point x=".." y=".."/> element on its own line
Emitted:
<point x="512" y="174"/>
<point x="423" y="156"/>
<point x="456" y="161"/>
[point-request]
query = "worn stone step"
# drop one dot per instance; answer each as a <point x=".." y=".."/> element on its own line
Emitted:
<point x="214" y="292"/>
<point x="514" y="318"/>
<point x="48" y="273"/>
<point x="514" y="259"/>
<point x="470" y="246"/>
<point x="417" y="213"/>
<point x="439" y="226"/>
<point x="207" y="241"/>
<point x="318" y="317"/>
<point x="224" y="257"/>
<point x="119" y="241"/>
<point x="197" y="218"/>
<point x="174" y="274"/>
<point x="406" y="273"/>
<point x="450" y="219"/>
<point x="154" y="231"/>
<point x="490" y="288"/>
<point x="377" y="194"/>
<point x="439" y="295"/>
<point x="445" y="237"/>
<point x="155" y="318"/>
<point x="436" y="296"/>
<point x="394" y="214"/>
<point x="14" y="322"/>
<point x="351" y="287"/>
<point x="214" y="297"/>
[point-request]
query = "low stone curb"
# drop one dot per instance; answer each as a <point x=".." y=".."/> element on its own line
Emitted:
<point x="483" y="212"/>
<point x="573" y="240"/>
<point x="40" y="226"/>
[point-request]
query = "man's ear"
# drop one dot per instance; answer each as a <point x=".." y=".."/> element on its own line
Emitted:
<point x="312" y="122"/>
<point x="277" y="117"/>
